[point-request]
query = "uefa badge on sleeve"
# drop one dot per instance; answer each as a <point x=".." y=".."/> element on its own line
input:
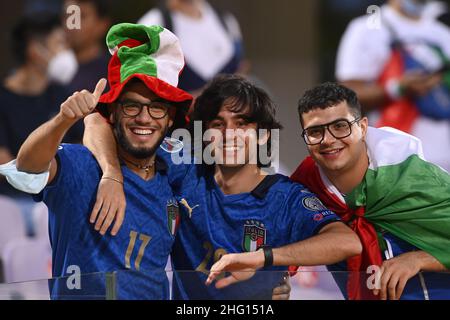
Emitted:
<point x="313" y="203"/>
<point x="173" y="216"/>
<point x="254" y="235"/>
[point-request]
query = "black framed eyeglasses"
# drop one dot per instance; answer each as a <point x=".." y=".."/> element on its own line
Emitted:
<point x="340" y="129"/>
<point x="157" y="109"/>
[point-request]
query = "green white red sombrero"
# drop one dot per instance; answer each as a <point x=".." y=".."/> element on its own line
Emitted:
<point x="150" y="53"/>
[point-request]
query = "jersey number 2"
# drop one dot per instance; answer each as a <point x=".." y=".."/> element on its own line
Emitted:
<point x="217" y="255"/>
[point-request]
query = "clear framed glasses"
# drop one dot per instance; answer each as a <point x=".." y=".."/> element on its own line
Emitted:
<point x="340" y="129"/>
<point x="157" y="109"/>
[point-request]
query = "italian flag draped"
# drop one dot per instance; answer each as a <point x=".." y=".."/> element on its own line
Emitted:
<point x="401" y="193"/>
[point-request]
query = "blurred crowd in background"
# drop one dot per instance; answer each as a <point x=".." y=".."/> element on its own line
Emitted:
<point x="395" y="55"/>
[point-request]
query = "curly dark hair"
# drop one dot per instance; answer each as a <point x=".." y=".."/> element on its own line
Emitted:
<point x="327" y="95"/>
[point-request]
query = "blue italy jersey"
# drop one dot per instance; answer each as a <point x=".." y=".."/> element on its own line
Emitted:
<point x="142" y="245"/>
<point x="278" y="212"/>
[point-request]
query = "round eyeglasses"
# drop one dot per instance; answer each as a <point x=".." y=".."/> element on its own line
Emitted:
<point x="339" y="129"/>
<point x="156" y="109"/>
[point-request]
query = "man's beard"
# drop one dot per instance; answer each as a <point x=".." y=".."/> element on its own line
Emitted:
<point x="124" y="143"/>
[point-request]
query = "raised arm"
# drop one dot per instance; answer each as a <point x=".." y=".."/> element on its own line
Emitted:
<point x="335" y="242"/>
<point x="110" y="203"/>
<point x="37" y="153"/>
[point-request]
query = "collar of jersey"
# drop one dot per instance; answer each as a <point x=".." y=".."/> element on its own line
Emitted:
<point x="259" y="192"/>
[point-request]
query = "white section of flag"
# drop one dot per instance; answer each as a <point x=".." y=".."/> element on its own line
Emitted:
<point x="169" y="58"/>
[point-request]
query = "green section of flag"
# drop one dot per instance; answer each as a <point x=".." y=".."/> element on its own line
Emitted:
<point x="247" y="242"/>
<point x="412" y="201"/>
<point x="138" y="59"/>
<point x="250" y="245"/>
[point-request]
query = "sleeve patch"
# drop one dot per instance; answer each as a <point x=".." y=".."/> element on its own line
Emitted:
<point x="313" y="203"/>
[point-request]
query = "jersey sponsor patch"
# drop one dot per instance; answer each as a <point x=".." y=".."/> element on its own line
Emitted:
<point x="313" y="203"/>
<point x="254" y="236"/>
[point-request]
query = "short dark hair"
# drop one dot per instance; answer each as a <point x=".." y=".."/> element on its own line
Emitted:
<point x="31" y="27"/>
<point x="445" y="18"/>
<point x="327" y="95"/>
<point x="242" y="95"/>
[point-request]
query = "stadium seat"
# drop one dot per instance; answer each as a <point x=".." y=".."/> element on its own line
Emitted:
<point x="12" y="225"/>
<point x="27" y="259"/>
<point x="40" y="220"/>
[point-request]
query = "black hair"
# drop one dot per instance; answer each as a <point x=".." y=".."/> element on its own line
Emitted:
<point x="101" y="7"/>
<point x="327" y="95"/>
<point x="445" y="18"/>
<point x="31" y="27"/>
<point x="240" y="95"/>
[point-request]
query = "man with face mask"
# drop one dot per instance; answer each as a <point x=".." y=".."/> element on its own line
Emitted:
<point x="30" y="95"/>
<point x="395" y="60"/>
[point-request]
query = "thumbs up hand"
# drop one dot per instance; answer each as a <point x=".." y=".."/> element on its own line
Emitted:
<point x="80" y="104"/>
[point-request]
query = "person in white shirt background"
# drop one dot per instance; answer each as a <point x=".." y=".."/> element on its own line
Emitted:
<point x="211" y="39"/>
<point x="364" y="52"/>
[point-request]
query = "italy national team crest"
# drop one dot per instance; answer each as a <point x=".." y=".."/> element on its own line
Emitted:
<point x="173" y="216"/>
<point x="254" y="235"/>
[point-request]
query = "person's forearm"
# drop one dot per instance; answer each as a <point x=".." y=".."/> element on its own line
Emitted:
<point x="335" y="242"/>
<point x="99" y="139"/>
<point x="40" y="147"/>
<point x="371" y="95"/>
<point x="427" y="262"/>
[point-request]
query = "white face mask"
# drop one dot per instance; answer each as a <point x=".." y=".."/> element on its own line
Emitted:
<point x="26" y="182"/>
<point x="63" y="67"/>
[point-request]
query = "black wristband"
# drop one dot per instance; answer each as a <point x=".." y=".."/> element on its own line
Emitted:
<point x="268" y="256"/>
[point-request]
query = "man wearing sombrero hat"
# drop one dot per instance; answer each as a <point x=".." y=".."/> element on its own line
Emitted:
<point x="143" y="103"/>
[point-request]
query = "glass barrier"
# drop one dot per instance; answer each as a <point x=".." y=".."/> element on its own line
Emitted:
<point x="79" y="286"/>
<point x="306" y="284"/>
